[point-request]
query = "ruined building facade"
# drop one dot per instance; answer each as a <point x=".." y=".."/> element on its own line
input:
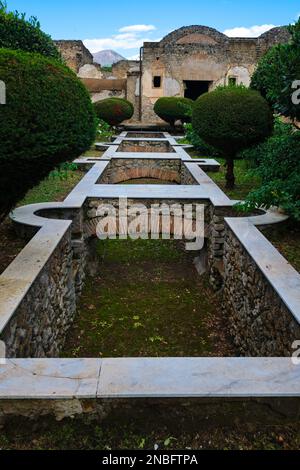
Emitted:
<point x="188" y="62"/>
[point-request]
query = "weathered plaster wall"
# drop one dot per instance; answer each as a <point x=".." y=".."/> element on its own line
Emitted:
<point x="200" y="53"/>
<point x="90" y="71"/>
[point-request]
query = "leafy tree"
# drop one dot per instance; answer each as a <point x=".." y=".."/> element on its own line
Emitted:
<point x="278" y="165"/>
<point x="231" y="119"/>
<point x="276" y="73"/>
<point x="18" y="33"/>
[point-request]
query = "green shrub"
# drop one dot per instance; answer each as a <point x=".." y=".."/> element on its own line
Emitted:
<point x="277" y="71"/>
<point x="232" y="119"/>
<point x="279" y="167"/>
<point x="114" y="110"/>
<point x="104" y="132"/>
<point x="48" y="119"/>
<point x="172" y="109"/>
<point x="254" y="155"/>
<point x="18" y="33"/>
<point x="202" y="147"/>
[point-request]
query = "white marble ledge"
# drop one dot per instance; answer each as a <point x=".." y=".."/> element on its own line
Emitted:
<point x="49" y="379"/>
<point x="142" y="139"/>
<point x="25" y="379"/>
<point x="146" y="155"/>
<point x="199" y="377"/>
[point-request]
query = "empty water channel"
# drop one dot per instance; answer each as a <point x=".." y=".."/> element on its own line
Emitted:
<point x="138" y="318"/>
<point x="147" y="298"/>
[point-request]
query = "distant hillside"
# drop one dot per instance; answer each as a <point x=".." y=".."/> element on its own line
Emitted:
<point x="107" y="58"/>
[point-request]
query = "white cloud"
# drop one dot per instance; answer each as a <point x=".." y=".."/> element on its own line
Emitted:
<point x="134" y="57"/>
<point x="130" y="37"/>
<point x="252" y="32"/>
<point x="115" y="42"/>
<point x="137" y="28"/>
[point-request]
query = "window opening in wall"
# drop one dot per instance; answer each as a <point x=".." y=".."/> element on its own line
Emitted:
<point x="195" y="88"/>
<point x="156" y="81"/>
<point x="232" y="81"/>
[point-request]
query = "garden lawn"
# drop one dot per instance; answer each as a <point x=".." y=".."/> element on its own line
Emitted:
<point x="53" y="188"/>
<point x="134" y="434"/>
<point x="245" y="182"/>
<point x="148" y="300"/>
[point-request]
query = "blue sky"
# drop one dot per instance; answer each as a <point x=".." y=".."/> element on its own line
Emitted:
<point x="124" y="25"/>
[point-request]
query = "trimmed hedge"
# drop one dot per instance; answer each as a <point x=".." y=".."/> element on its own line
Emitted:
<point x="48" y="119"/>
<point x="114" y="110"/>
<point x="18" y="33"/>
<point x="232" y="119"/>
<point x="172" y="109"/>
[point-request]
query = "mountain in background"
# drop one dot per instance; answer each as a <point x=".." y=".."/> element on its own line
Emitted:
<point x="107" y="58"/>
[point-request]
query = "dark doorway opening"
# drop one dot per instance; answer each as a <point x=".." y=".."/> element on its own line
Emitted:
<point x="195" y="88"/>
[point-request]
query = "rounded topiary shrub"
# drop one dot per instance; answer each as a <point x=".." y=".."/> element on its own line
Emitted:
<point x="18" y="33"/>
<point x="172" y="109"/>
<point x="48" y="118"/>
<point x="114" y="110"/>
<point x="232" y="119"/>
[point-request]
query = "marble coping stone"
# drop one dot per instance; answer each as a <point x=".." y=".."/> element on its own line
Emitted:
<point x="103" y="145"/>
<point x="155" y="191"/>
<point x="17" y="279"/>
<point x="49" y="378"/>
<point x="145" y="156"/>
<point x="199" y="377"/>
<point x="208" y="186"/>
<point x="142" y="139"/>
<point x="167" y="137"/>
<point x="149" y="378"/>
<point x="207" y="161"/>
<point x="278" y="271"/>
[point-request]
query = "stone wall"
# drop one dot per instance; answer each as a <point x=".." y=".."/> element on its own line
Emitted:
<point x="75" y="54"/>
<point x="260" y="323"/>
<point x="123" y="67"/>
<point x="149" y="146"/>
<point x="120" y="170"/>
<point x="40" y="324"/>
<point x="92" y="218"/>
<point x="199" y="53"/>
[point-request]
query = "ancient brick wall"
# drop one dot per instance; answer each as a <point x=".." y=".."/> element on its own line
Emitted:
<point x="199" y="53"/>
<point x="75" y="54"/>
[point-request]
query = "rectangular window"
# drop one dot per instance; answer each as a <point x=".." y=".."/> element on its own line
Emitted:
<point x="232" y="81"/>
<point x="156" y="81"/>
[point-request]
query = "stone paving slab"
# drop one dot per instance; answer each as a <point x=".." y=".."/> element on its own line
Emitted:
<point x="49" y="378"/>
<point x="198" y="377"/>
